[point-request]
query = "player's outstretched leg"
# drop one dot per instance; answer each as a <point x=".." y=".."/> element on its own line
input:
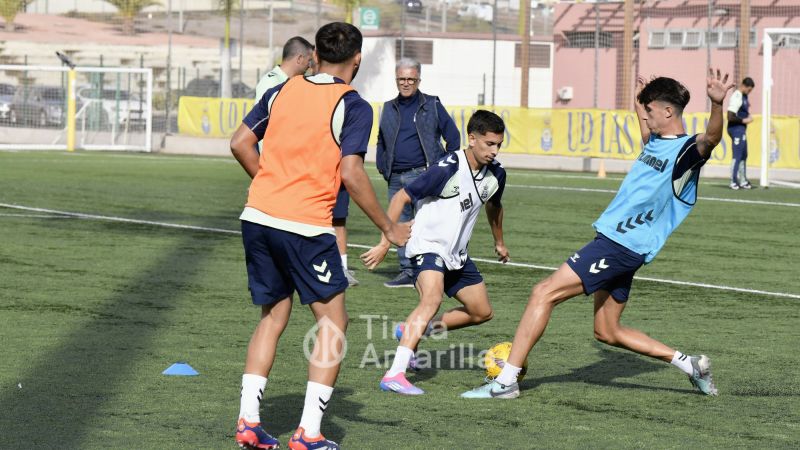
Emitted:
<point x="475" y="310"/>
<point x="607" y="329"/>
<point x="558" y="287"/>
<point x="430" y="284"/>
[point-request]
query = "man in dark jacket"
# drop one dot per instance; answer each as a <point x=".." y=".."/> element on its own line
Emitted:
<point x="410" y="136"/>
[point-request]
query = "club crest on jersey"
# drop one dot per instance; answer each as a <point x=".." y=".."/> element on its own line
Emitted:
<point x="484" y="192"/>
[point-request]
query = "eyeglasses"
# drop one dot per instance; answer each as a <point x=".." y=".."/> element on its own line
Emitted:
<point x="411" y="81"/>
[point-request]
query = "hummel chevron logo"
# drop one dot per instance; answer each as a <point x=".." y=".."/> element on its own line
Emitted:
<point x="323" y="273"/>
<point x="639" y="219"/>
<point x="450" y="160"/>
<point x="323" y="404"/>
<point x="598" y="266"/>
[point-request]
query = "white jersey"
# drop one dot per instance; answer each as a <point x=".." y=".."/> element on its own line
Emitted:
<point x="448" y="198"/>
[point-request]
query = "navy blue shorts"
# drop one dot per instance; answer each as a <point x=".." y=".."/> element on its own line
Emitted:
<point x="739" y="141"/>
<point x="280" y="262"/>
<point x="454" y="280"/>
<point x="605" y="265"/>
<point x="342" y="206"/>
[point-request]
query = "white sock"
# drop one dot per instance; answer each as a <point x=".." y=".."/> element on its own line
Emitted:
<point x="344" y="261"/>
<point x="317" y="397"/>
<point x="508" y="375"/>
<point x="683" y="362"/>
<point x="252" y="391"/>
<point x="401" y="360"/>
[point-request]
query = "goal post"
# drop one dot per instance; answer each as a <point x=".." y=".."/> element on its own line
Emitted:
<point x="773" y="37"/>
<point x="88" y="108"/>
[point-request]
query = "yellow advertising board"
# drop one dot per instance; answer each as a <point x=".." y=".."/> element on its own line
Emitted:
<point x="592" y="133"/>
<point x="211" y="117"/>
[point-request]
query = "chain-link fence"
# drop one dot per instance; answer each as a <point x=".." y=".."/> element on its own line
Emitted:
<point x="580" y="55"/>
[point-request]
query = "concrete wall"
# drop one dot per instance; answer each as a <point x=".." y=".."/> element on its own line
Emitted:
<point x="457" y="73"/>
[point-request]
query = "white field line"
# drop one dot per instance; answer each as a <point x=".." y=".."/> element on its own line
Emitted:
<point x="38" y="216"/>
<point x="484" y="260"/>
<point x="613" y="191"/>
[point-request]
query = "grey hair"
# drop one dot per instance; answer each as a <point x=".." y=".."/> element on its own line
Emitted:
<point x="408" y="63"/>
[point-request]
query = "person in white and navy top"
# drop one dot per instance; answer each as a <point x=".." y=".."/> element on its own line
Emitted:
<point x="738" y="118"/>
<point x="448" y="198"/>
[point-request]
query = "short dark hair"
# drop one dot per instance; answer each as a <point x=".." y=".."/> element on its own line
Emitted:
<point x="296" y="46"/>
<point x="483" y="122"/>
<point x="337" y="42"/>
<point x="748" y="82"/>
<point x="665" y="90"/>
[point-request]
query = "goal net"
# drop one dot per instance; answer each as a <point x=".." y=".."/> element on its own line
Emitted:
<point x="113" y="108"/>
<point x="780" y="126"/>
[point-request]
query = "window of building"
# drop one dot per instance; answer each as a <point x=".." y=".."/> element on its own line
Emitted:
<point x="538" y="56"/>
<point x="422" y="51"/>
<point x="585" y="39"/>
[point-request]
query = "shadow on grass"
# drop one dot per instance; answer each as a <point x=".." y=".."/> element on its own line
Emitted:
<point x="67" y="389"/>
<point x="613" y="365"/>
<point x="281" y="414"/>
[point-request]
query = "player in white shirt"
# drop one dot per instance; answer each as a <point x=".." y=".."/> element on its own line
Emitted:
<point x="448" y="198"/>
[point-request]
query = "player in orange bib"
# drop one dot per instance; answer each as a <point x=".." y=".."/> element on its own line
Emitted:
<point x="315" y="132"/>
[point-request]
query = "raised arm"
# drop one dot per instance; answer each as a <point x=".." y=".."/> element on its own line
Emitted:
<point x="495" y="216"/>
<point x="640" y="112"/>
<point x="716" y="88"/>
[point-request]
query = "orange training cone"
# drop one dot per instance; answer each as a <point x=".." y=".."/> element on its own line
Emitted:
<point x="601" y="171"/>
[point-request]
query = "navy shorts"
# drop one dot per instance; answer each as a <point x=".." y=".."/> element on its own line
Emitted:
<point x="605" y="265"/>
<point x="280" y="262"/>
<point x="454" y="280"/>
<point x="739" y="141"/>
<point x="342" y="206"/>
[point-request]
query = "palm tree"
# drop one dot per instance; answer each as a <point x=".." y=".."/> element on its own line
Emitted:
<point x="227" y="7"/>
<point x="9" y="10"/>
<point x="129" y="9"/>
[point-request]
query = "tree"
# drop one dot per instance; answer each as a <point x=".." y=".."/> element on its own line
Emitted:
<point x="227" y="7"/>
<point x="9" y="10"/>
<point x="129" y="9"/>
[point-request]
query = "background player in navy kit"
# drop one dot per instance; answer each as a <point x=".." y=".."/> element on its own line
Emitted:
<point x="738" y="118"/>
<point x="657" y="194"/>
<point x="448" y="198"/>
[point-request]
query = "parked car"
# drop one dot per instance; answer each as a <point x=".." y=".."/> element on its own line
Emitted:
<point x="482" y="11"/>
<point x="412" y="6"/>
<point x="37" y="105"/>
<point x="122" y="106"/>
<point x="6" y="96"/>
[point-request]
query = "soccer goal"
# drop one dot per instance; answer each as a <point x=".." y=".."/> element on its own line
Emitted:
<point x="88" y="108"/>
<point x="780" y="112"/>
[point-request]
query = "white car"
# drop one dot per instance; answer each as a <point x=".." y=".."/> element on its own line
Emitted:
<point x="481" y="11"/>
<point x="120" y="106"/>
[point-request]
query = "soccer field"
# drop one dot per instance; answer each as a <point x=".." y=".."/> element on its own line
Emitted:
<point x="115" y="266"/>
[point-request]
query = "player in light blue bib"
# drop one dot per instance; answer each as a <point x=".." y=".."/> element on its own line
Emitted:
<point x="654" y="198"/>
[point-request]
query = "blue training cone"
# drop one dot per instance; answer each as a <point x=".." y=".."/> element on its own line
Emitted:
<point x="180" y="369"/>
